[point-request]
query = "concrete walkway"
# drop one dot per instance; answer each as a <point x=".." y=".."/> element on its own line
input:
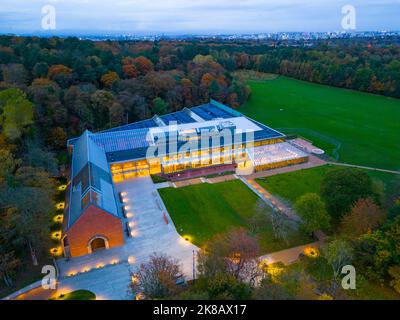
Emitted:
<point x="289" y="256"/>
<point x="363" y="167"/>
<point x="270" y="199"/>
<point x="107" y="273"/>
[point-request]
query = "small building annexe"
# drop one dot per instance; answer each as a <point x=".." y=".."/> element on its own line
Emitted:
<point x="207" y="138"/>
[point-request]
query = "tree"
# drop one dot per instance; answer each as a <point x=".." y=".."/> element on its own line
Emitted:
<point x="109" y="78"/>
<point x="101" y="102"/>
<point x="8" y="263"/>
<point x="341" y="188"/>
<point x="33" y="207"/>
<point x="16" y="112"/>
<point x="234" y="253"/>
<point x="58" y="69"/>
<point x="394" y="272"/>
<point x="312" y="210"/>
<point x="282" y="226"/>
<point x="157" y="278"/>
<point x="7" y="166"/>
<point x="376" y="252"/>
<point x="143" y="65"/>
<point x="160" y="107"/>
<point x="58" y="138"/>
<point x="364" y="217"/>
<point x="337" y="253"/>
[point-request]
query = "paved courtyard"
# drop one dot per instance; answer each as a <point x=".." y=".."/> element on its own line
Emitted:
<point x="106" y="273"/>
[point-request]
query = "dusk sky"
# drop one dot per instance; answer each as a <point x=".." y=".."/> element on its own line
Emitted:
<point x="197" y="16"/>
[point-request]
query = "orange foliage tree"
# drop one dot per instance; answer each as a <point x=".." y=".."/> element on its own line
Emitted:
<point x="365" y="215"/>
<point x="109" y="78"/>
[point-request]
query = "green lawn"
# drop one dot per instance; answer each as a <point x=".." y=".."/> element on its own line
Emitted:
<point x="292" y="185"/>
<point x="351" y="126"/>
<point x="203" y="210"/>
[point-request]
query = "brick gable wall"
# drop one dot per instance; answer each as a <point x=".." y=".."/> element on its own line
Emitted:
<point x="94" y="222"/>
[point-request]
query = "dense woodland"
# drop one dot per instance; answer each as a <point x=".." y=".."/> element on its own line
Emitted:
<point x="52" y="89"/>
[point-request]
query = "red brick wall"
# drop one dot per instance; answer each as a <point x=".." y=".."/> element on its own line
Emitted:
<point x="94" y="222"/>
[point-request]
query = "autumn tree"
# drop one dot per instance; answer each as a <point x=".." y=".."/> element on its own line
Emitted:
<point x="157" y="278"/>
<point x="143" y="65"/>
<point x="364" y="217"/>
<point x="234" y="253"/>
<point x="58" y="138"/>
<point x="109" y="78"/>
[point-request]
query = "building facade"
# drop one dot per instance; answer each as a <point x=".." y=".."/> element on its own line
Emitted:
<point x="202" y="140"/>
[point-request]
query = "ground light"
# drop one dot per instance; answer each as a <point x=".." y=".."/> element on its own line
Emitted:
<point x="311" y="252"/>
<point x="186" y="240"/>
<point x="58" y="218"/>
<point x="60" y="205"/>
<point x="57" y="251"/>
<point x="135" y="279"/>
<point x="139" y="296"/>
<point x="56" y="235"/>
<point x="131" y="260"/>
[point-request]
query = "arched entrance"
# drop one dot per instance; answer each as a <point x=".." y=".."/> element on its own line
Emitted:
<point x="97" y="243"/>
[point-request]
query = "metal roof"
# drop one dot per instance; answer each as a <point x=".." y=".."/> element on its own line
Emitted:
<point x="91" y="181"/>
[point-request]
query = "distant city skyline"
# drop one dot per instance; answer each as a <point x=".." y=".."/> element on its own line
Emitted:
<point x="196" y="16"/>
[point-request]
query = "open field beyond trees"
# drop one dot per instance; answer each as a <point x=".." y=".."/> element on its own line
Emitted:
<point x="351" y="126"/>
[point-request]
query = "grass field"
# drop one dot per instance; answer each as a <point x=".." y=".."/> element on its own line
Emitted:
<point x="289" y="186"/>
<point x="351" y="126"/>
<point x="203" y="210"/>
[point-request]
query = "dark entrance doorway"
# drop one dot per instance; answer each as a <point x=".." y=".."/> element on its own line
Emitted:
<point x="98" y="244"/>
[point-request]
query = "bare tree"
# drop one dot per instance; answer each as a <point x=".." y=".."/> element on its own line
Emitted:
<point x="235" y="253"/>
<point x="157" y="278"/>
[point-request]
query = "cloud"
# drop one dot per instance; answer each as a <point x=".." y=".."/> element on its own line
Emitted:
<point x="198" y="16"/>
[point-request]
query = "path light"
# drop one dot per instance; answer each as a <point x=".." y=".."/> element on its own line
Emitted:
<point x="311" y="252"/>
<point x="135" y="279"/>
<point x="114" y="262"/>
<point x="58" y="218"/>
<point x="129" y="215"/>
<point x="131" y="224"/>
<point x="186" y="240"/>
<point x="72" y="273"/>
<point x="139" y="296"/>
<point x="131" y="260"/>
<point x="57" y="251"/>
<point x="56" y="235"/>
<point x="134" y="233"/>
<point x="86" y="269"/>
<point x="60" y="205"/>
<point x="100" y="265"/>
